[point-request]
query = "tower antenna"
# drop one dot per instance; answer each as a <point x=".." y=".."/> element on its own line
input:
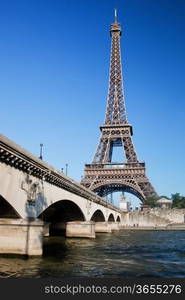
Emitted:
<point x="115" y="15"/>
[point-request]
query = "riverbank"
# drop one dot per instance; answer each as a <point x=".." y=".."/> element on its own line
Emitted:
<point x="154" y="228"/>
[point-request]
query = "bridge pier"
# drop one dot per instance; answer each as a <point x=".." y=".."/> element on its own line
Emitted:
<point x="115" y="225"/>
<point x="21" y="236"/>
<point x="80" y="229"/>
<point x="104" y="227"/>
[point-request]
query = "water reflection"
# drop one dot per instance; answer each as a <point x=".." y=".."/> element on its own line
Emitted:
<point x="124" y="253"/>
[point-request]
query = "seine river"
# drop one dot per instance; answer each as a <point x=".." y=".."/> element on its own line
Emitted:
<point x="125" y="253"/>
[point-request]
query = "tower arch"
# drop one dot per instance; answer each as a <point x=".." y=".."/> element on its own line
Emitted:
<point x="108" y="187"/>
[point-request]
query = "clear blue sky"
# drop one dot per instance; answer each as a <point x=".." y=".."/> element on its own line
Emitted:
<point x="54" y="58"/>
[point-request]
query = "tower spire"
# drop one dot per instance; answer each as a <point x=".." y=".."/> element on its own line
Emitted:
<point x="116" y="111"/>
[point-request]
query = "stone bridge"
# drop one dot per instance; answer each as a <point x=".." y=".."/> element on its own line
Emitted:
<point x="37" y="199"/>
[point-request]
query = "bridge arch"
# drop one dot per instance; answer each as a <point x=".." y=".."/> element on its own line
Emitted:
<point x="118" y="219"/>
<point x="98" y="216"/>
<point x="7" y="210"/>
<point x="59" y="213"/>
<point x="111" y="218"/>
<point x="103" y="189"/>
<point x="62" y="210"/>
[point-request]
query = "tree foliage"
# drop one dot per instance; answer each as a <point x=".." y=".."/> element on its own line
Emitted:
<point x="151" y="201"/>
<point x="178" y="200"/>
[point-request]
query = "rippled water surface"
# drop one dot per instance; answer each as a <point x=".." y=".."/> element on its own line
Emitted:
<point x="126" y="253"/>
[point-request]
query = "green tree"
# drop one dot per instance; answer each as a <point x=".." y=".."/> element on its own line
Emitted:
<point x="164" y="197"/>
<point x="151" y="201"/>
<point x="178" y="200"/>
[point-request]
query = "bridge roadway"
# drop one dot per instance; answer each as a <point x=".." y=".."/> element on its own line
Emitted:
<point x="37" y="200"/>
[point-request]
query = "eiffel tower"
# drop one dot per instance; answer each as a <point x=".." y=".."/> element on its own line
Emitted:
<point x="103" y="176"/>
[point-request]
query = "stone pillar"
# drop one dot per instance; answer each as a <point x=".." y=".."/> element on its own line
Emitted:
<point x="104" y="227"/>
<point x="20" y="236"/>
<point x="115" y="226"/>
<point x="80" y="229"/>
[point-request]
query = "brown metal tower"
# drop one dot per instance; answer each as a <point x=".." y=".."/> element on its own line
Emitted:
<point x="104" y="176"/>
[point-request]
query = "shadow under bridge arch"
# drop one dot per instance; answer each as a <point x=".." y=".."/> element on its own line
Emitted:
<point x="7" y="210"/>
<point x="98" y="216"/>
<point x="111" y="218"/>
<point x="58" y="214"/>
<point x="118" y="219"/>
<point x="130" y="186"/>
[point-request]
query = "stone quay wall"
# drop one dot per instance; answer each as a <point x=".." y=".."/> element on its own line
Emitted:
<point x="154" y="218"/>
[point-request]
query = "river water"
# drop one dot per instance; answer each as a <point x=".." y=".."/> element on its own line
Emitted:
<point x="125" y="253"/>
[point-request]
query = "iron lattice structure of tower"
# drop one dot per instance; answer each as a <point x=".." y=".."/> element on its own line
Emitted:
<point x="104" y="176"/>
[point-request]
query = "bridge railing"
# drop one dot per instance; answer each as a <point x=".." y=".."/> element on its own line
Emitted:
<point x="19" y="158"/>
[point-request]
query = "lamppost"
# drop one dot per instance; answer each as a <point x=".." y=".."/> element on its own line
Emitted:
<point x="41" y="146"/>
<point x="66" y="169"/>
